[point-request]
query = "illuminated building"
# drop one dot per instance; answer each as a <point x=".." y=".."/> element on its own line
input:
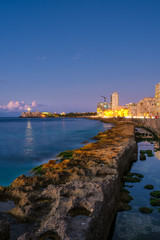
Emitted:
<point x="101" y="107"/>
<point x="132" y="109"/>
<point x="157" y="99"/>
<point x="146" y="107"/>
<point x="117" y="112"/>
<point x="43" y="115"/>
<point x="114" y="100"/>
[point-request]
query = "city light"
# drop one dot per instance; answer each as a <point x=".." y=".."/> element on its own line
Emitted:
<point x="115" y="113"/>
<point x="148" y="107"/>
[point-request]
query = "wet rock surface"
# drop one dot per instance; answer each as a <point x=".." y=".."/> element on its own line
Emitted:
<point x="76" y="198"/>
<point x="4" y="230"/>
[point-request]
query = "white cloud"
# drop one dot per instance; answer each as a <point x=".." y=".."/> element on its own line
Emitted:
<point x="34" y="104"/>
<point x="19" y="106"/>
<point x="40" y="58"/>
<point x="77" y="57"/>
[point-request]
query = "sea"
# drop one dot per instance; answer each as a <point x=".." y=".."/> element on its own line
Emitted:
<point x="26" y="143"/>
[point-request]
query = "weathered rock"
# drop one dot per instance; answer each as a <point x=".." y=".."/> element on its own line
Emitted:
<point x="26" y="236"/>
<point x="4" y="230"/>
<point x="76" y="198"/>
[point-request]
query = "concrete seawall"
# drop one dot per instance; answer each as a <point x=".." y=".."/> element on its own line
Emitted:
<point x="77" y="198"/>
<point x="152" y="124"/>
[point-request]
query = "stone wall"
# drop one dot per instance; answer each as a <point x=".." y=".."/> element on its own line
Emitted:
<point x="152" y="124"/>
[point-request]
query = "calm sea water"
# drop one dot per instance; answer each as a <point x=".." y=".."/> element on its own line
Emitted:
<point x="132" y="224"/>
<point x="26" y="143"/>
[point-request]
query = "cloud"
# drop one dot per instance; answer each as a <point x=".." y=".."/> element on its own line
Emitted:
<point x="38" y="58"/>
<point x="19" y="106"/>
<point x="77" y="57"/>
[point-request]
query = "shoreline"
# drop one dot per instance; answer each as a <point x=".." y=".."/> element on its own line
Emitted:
<point x="39" y="141"/>
<point x="94" y="178"/>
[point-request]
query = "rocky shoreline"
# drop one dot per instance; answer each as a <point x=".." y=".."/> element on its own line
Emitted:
<point x="75" y="199"/>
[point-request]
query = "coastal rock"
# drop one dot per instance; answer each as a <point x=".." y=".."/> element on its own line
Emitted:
<point x="4" y="230"/>
<point x="26" y="236"/>
<point x="77" y="198"/>
<point x="36" y="114"/>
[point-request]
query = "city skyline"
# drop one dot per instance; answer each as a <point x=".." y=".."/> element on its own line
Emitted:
<point x="148" y="107"/>
<point x="62" y="56"/>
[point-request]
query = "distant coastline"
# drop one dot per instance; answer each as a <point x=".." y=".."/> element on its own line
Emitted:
<point x="38" y="114"/>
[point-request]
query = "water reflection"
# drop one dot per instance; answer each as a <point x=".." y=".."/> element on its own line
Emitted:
<point x="28" y="143"/>
<point x="64" y="125"/>
<point x="157" y="152"/>
<point x="134" y="225"/>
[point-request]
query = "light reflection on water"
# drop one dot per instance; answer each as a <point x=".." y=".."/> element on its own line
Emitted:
<point x="157" y="153"/>
<point x="28" y="142"/>
<point x="132" y="224"/>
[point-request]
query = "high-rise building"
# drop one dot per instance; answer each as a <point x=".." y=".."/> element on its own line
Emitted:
<point x="157" y="99"/>
<point x="114" y="100"/>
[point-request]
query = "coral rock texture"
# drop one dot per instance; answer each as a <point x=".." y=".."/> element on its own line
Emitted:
<point x="75" y="199"/>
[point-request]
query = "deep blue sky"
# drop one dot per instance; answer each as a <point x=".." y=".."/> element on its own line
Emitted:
<point x="64" y="54"/>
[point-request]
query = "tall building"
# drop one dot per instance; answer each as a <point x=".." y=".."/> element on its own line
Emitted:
<point x="157" y="99"/>
<point x="114" y="100"/>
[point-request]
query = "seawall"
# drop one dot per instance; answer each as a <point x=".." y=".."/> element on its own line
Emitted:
<point x="77" y="198"/>
<point x="151" y="124"/>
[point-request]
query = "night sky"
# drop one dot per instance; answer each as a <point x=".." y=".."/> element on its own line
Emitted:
<point x="62" y="55"/>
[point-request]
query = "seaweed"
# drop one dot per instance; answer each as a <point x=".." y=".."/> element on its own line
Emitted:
<point x="155" y="194"/>
<point x="123" y="206"/>
<point x="155" y="201"/>
<point x="142" y="157"/>
<point x="148" y="186"/>
<point x="130" y="186"/>
<point x="135" y="174"/>
<point x="132" y="179"/>
<point x="66" y="154"/>
<point x="124" y="199"/>
<point x="38" y="170"/>
<point x="145" y="210"/>
<point x="148" y="152"/>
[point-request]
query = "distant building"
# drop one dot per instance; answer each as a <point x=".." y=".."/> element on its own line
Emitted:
<point x="101" y="107"/>
<point x="157" y="100"/>
<point x="146" y="107"/>
<point x="114" y="100"/>
<point x="132" y="109"/>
